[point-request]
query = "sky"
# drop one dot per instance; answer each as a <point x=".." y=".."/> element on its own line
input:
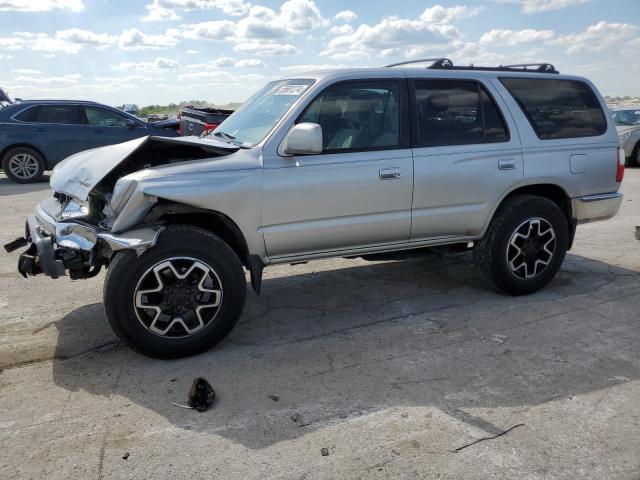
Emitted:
<point x="166" y="51"/>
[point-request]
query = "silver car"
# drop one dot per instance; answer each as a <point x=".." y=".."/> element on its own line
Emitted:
<point x="628" y="124"/>
<point x="506" y="161"/>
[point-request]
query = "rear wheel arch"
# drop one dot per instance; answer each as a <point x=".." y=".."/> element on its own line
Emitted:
<point x="550" y="191"/>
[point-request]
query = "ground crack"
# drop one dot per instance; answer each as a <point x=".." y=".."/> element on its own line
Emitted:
<point x="489" y="438"/>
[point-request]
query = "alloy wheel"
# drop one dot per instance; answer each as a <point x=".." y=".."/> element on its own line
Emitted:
<point x="178" y="297"/>
<point x="24" y="166"/>
<point x="531" y="248"/>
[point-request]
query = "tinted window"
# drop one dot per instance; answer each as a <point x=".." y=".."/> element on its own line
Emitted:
<point x="558" y="108"/>
<point x="357" y="116"/>
<point x="451" y="112"/>
<point x="25" y="115"/>
<point x="60" y="114"/>
<point x="101" y="117"/>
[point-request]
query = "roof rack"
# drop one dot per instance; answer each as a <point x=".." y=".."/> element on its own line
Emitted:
<point x="446" y="64"/>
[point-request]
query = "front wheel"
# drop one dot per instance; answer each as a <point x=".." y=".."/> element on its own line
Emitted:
<point x="178" y="298"/>
<point x="524" y="246"/>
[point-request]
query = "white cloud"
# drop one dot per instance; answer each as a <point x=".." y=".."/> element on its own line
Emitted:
<point x="168" y="9"/>
<point x="341" y="29"/>
<point x="134" y="39"/>
<point x="511" y="37"/>
<point x="5" y="57"/>
<point x="250" y="63"/>
<point x="41" y="5"/>
<point x="214" y="30"/>
<point x="67" y="80"/>
<point x="268" y="49"/>
<point x="440" y="14"/>
<point x="160" y="63"/>
<point x="390" y="32"/>
<point x="537" y="6"/>
<point x="597" y="37"/>
<point x="346" y="15"/>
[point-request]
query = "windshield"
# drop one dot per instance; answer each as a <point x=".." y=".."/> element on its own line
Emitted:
<point x="254" y="120"/>
<point x="627" y="117"/>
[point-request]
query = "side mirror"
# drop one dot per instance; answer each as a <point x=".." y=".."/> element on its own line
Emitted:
<point x="303" y="139"/>
<point x="130" y="123"/>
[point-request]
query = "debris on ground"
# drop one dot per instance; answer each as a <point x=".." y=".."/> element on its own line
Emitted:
<point x="125" y="456"/>
<point x="499" y="338"/>
<point x="275" y="398"/>
<point x="296" y="417"/>
<point x="201" y="396"/>
<point x="324" y="451"/>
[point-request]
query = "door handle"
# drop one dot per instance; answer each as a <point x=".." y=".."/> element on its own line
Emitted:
<point x="389" y="173"/>
<point x="507" y="164"/>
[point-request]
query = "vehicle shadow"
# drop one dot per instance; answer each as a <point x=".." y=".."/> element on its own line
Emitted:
<point x="343" y="342"/>
<point x="9" y="187"/>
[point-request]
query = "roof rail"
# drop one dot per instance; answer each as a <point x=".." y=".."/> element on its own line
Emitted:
<point x="436" y="62"/>
<point x="446" y="64"/>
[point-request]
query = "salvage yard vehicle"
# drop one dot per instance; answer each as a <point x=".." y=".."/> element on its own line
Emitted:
<point x="628" y="123"/>
<point x="201" y="120"/>
<point x="506" y="161"/>
<point x="37" y="134"/>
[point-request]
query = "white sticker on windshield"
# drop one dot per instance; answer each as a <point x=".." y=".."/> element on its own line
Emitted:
<point x="291" y="90"/>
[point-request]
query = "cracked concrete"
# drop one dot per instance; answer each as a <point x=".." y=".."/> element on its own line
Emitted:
<point x="391" y="366"/>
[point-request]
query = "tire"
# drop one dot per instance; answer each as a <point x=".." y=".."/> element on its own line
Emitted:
<point x="499" y="259"/>
<point x="23" y="165"/>
<point x="634" y="160"/>
<point x="177" y="328"/>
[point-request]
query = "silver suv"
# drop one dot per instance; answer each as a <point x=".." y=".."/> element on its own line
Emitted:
<point x="505" y="161"/>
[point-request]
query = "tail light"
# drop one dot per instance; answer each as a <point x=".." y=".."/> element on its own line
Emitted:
<point x="621" y="159"/>
<point x="180" y="123"/>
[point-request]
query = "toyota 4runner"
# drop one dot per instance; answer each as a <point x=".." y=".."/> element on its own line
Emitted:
<point x="506" y="161"/>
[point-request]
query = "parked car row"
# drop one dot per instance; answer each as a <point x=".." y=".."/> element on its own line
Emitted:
<point x="628" y="124"/>
<point x="35" y="135"/>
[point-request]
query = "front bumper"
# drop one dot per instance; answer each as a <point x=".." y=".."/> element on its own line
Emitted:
<point x="55" y="247"/>
<point x="593" y="208"/>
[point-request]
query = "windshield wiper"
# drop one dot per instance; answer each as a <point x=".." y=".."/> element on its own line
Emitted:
<point x="226" y="136"/>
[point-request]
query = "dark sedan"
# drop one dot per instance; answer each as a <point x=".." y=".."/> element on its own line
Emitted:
<point x="37" y="134"/>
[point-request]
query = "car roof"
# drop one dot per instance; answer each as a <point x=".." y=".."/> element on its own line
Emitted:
<point x="57" y="102"/>
<point x="382" y="72"/>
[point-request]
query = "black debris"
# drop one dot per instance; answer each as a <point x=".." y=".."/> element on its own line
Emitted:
<point x="125" y="456"/>
<point x="324" y="451"/>
<point x="275" y="398"/>
<point x="201" y="395"/>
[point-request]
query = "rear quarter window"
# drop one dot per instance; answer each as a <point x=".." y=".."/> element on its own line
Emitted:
<point x="558" y="108"/>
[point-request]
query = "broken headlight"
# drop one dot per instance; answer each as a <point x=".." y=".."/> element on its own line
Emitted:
<point x="74" y="209"/>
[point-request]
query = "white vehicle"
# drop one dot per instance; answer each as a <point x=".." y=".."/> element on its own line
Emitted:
<point x="628" y="124"/>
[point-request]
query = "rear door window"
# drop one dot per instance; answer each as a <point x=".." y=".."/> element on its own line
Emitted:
<point x="101" y="117"/>
<point x="57" y="114"/>
<point x="558" y="108"/>
<point x="456" y="112"/>
<point x="357" y="116"/>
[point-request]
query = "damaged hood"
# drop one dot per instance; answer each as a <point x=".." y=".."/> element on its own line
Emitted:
<point x="80" y="173"/>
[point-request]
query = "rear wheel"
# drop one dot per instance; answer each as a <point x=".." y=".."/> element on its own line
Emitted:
<point x="178" y="298"/>
<point x="524" y="246"/>
<point x="634" y="159"/>
<point x="23" y="165"/>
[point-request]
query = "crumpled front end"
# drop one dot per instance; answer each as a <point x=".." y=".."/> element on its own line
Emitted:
<point x="99" y="208"/>
<point x="60" y="239"/>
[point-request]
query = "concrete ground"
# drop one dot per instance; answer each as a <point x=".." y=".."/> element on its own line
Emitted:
<point x="395" y="368"/>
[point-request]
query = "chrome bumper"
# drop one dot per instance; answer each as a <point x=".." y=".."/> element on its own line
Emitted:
<point x="50" y="239"/>
<point x="592" y="208"/>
